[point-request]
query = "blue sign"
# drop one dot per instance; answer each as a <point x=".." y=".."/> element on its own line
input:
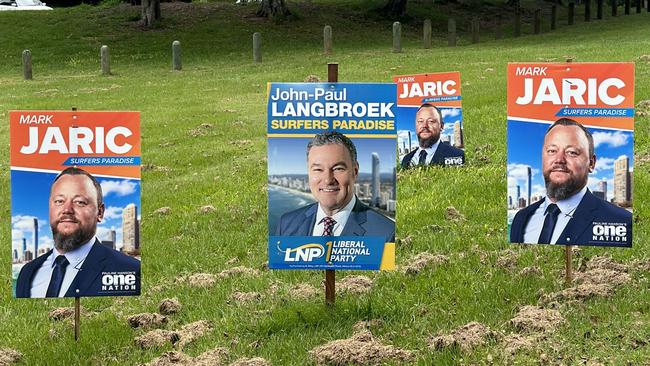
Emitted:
<point x="326" y="252"/>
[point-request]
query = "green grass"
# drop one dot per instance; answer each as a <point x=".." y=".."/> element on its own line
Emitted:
<point x="220" y="85"/>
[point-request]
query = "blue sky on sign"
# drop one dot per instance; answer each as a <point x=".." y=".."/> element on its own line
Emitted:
<point x="30" y="192"/>
<point x="525" y="140"/>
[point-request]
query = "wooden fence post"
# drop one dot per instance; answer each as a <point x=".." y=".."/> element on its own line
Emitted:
<point x="27" y="65"/>
<point x="257" y="47"/>
<point x="327" y="40"/>
<point x="105" y="60"/>
<point x="537" y="21"/>
<point x="475" y="30"/>
<point x="426" y="37"/>
<point x="451" y="33"/>
<point x="176" y="56"/>
<point x="397" y="37"/>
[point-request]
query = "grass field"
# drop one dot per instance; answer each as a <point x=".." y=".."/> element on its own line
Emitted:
<point x="225" y="166"/>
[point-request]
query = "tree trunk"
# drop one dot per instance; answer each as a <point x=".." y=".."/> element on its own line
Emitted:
<point x="276" y="9"/>
<point x="395" y="8"/>
<point x="150" y="12"/>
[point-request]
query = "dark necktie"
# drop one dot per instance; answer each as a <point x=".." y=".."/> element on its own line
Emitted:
<point x="549" y="224"/>
<point x="57" y="276"/>
<point x="423" y="157"/>
<point x="328" y="224"/>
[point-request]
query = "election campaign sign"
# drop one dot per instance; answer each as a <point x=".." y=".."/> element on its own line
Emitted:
<point x="571" y="153"/>
<point x="75" y="202"/>
<point x="331" y="176"/>
<point x="430" y="120"/>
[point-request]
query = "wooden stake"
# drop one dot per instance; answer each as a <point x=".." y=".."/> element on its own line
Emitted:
<point x="568" y="262"/>
<point x="77" y="308"/>
<point x="330" y="274"/>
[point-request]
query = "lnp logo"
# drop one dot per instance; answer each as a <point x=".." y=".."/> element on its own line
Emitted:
<point x="303" y="253"/>
<point x="609" y="232"/>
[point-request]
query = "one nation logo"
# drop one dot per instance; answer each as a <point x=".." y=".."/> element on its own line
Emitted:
<point x="609" y="232"/>
<point x="122" y="281"/>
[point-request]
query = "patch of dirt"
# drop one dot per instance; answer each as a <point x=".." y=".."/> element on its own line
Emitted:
<point x="311" y="79"/>
<point x="201" y="130"/>
<point x="236" y="271"/>
<point x="255" y="361"/>
<point x="245" y="297"/>
<point x="578" y="293"/>
<point x="155" y="168"/>
<point x="602" y="276"/>
<point x="466" y="337"/>
<point x="451" y="213"/>
<point x="530" y="271"/>
<point x="644" y="58"/>
<point x="9" y="356"/>
<point x="146" y="320"/>
<point x="213" y="357"/>
<point x="642" y="265"/>
<point x="606" y="263"/>
<point x="303" y="291"/>
<point x="532" y="319"/>
<point x="360" y="349"/>
<point x="199" y="279"/>
<point x="354" y="285"/>
<point x="171" y="358"/>
<point x="643" y="107"/>
<point x="514" y="343"/>
<point x="157" y="338"/>
<point x="423" y="260"/>
<point x="163" y="211"/>
<point x="207" y="209"/>
<point x="189" y="332"/>
<point x="59" y="314"/>
<point x="241" y="143"/>
<point x="363" y="325"/>
<point x="170" y="306"/>
<point x="507" y="260"/>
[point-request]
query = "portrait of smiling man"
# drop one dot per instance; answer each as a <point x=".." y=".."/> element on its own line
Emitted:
<point x="429" y="124"/>
<point x="333" y="169"/>
<point x="74" y="267"/>
<point x="570" y="214"/>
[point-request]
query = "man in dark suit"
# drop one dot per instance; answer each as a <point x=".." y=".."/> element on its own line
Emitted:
<point x="570" y="214"/>
<point x="432" y="151"/>
<point x="78" y="265"/>
<point x="333" y="169"/>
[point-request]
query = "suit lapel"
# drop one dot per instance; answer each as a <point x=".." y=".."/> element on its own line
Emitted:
<point x="25" y="287"/>
<point x="306" y="227"/>
<point x="438" y="156"/>
<point x="90" y="270"/>
<point x="582" y="219"/>
<point x="355" y="224"/>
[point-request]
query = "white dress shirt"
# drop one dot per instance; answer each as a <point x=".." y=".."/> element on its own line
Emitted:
<point x="536" y="222"/>
<point x="340" y="217"/>
<point x="415" y="161"/>
<point x="44" y="273"/>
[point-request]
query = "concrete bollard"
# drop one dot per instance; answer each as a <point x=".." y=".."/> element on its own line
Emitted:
<point x="451" y="33"/>
<point x="572" y="11"/>
<point x="27" y="65"/>
<point x="397" y="37"/>
<point x="176" y="56"/>
<point x="426" y="36"/>
<point x="537" y="21"/>
<point x="587" y="10"/>
<point x="517" y="30"/>
<point x="327" y="40"/>
<point x="599" y="9"/>
<point x="475" y="30"/>
<point x="105" y="60"/>
<point x="257" y="47"/>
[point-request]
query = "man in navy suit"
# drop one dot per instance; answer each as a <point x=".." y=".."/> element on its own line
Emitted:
<point x="570" y="214"/>
<point x="432" y="151"/>
<point x="78" y="265"/>
<point x="333" y="169"/>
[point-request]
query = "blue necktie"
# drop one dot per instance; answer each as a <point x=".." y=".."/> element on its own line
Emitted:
<point x="552" y="211"/>
<point x="57" y="276"/>
<point x="423" y="157"/>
